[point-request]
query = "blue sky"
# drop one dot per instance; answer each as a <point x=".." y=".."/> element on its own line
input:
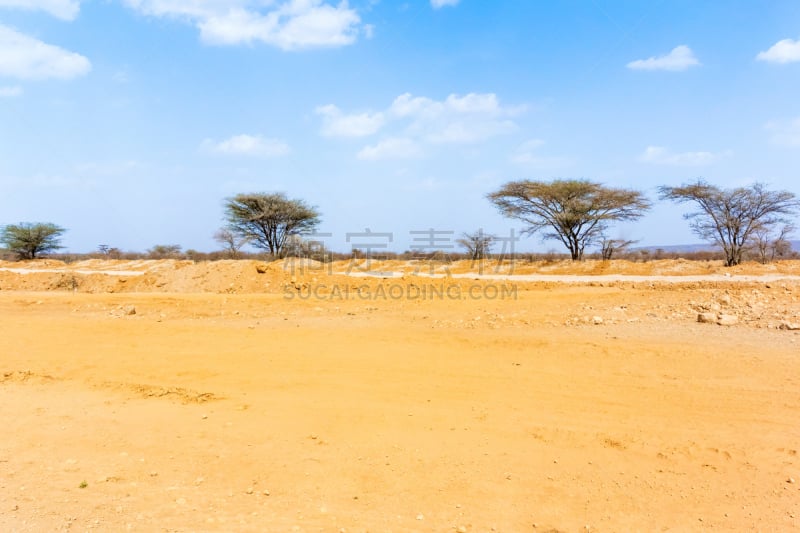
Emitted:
<point x="129" y="121"/>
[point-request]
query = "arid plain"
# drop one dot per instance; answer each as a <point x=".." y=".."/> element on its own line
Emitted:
<point x="249" y="396"/>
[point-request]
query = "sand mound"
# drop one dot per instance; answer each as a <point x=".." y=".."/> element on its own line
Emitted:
<point x="247" y="276"/>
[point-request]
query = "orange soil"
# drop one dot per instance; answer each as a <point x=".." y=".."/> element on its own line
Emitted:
<point x="234" y="400"/>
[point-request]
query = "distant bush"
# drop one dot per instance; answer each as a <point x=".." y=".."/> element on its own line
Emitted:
<point x="165" y="251"/>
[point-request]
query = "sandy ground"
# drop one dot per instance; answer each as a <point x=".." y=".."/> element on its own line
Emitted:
<point x="241" y="396"/>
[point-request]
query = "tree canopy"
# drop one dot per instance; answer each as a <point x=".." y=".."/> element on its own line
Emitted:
<point x="268" y="220"/>
<point x="29" y="240"/>
<point x="732" y="217"/>
<point x="575" y="212"/>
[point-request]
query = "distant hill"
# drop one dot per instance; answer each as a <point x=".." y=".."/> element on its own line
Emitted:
<point x="694" y="248"/>
<point x="678" y="248"/>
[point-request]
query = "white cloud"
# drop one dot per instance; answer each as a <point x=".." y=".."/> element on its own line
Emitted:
<point x="337" y="124"/>
<point x="467" y="119"/>
<point x="659" y="155"/>
<point x="680" y="58"/>
<point x="407" y="105"/>
<point x="528" y="154"/>
<point x="785" y="51"/>
<point x="785" y="132"/>
<point x="392" y="148"/>
<point x="291" y="25"/>
<point x="10" y="92"/>
<point x="188" y="9"/>
<point x="27" y="58"/>
<point x="247" y="145"/>
<point x="470" y="130"/>
<point x="63" y="9"/>
<point x="457" y="119"/>
<point x="437" y="4"/>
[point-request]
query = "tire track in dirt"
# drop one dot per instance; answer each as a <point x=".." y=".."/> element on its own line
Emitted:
<point x="139" y="390"/>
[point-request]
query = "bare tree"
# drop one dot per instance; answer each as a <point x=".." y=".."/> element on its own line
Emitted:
<point x="781" y="247"/>
<point x="31" y="239"/>
<point x="109" y="252"/>
<point x="230" y="241"/>
<point x="609" y="247"/>
<point x="731" y="217"/>
<point x="269" y="219"/>
<point x="767" y="244"/>
<point x="477" y="244"/>
<point x="575" y="212"/>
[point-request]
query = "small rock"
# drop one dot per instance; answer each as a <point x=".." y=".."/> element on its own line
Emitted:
<point x="790" y="481"/>
<point x="707" y="318"/>
<point x="249" y="491"/>
<point x="262" y="268"/>
<point x="727" y="320"/>
<point x="791" y="326"/>
<point x="265" y="493"/>
<point x="129" y="310"/>
<point x="461" y="529"/>
<point x="597" y="320"/>
<point x="420" y="517"/>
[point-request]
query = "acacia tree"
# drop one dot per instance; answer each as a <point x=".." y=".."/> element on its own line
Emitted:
<point x="31" y="239"/>
<point x="732" y="217"/>
<point x="165" y="251"/>
<point x="575" y="212"/>
<point x="268" y="220"/>
<point x="477" y="244"/>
